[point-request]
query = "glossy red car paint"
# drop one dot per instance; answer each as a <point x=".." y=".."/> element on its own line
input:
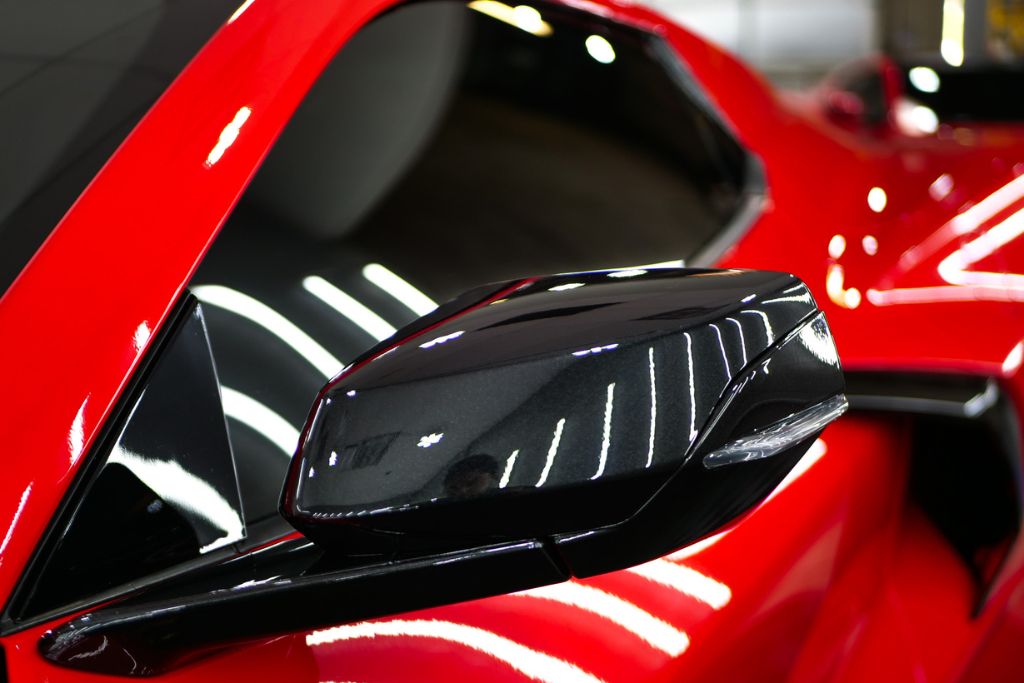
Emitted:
<point x="836" y="577"/>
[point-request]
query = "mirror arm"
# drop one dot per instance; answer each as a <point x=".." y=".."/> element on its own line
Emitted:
<point x="159" y="631"/>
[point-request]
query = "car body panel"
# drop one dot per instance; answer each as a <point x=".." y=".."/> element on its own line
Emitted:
<point x="797" y="570"/>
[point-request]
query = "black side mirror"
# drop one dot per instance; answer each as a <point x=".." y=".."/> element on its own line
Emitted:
<point x="618" y="414"/>
<point x="519" y="435"/>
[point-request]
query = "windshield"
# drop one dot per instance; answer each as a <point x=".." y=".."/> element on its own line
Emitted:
<point x="75" y="78"/>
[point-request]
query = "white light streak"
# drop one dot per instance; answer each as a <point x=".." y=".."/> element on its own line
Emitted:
<point x="721" y="345"/>
<point x="693" y="388"/>
<point x="952" y="46"/>
<point x="1014" y="359"/>
<point x="176" y="485"/>
<point x="76" y="435"/>
<point x="552" y="451"/>
<point x="261" y="419"/>
<point x="509" y="464"/>
<point x="412" y="298"/>
<point x="649" y="628"/>
<point x="877" y="199"/>
<point x="442" y="339"/>
<point x="523" y="17"/>
<point x="600" y="49"/>
<point x="566" y="287"/>
<point x="595" y="350"/>
<point x="228" y="136"/>
<point x="654" y="407"/>
<point x="535" y="665"/>
<point x="836" y="246"/>
<point x="685" y="580"/>
<point x="924" y="79"/>
<point x="633" y="272"/>
<point x="606" y="436"/>
<point x="429" y="440"/>
<point x="240" y="11"/>
<point x="768" y="331"/>
<point x="370" y="322"/>
<point x="281" y="327"/>
<point x="697" y="548"/>
<point x="14" y="520"/>
<point x="743" y="343"/>
<point x="141" y="336"/>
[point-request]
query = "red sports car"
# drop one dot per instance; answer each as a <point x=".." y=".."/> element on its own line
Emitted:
<point x="608" y="466"/>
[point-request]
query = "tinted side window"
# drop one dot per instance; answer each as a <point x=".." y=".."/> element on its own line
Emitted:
<point x="446" y="146"/>
<point x="162" y="492"/>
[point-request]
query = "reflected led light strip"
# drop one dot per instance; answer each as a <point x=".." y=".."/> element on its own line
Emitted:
<point x="176" y="485"/>
<point x="370" y="322"/>
<point x="258" y="312"/>
<point x="507" y="474"/>
<point x="743" y="343"/>
<point x="964" y="284"/>
<point x="14" y="520"/>
<point x="649" y="628"/>
<point x="412" y="298"/>
<point x="523" y="17"/>
<point x="721" y="345"/>
<point x="696" y="548"/>
<point x="692" y="386"/>
<point x="606" y="436"/>
<point x="552" y="451"/>
<point x="533" y="664"/>
<point x="685" y="580"/>
<point x="654" y="407"/>
<point x="261" y="419"/>
<point x="228" y="136"/>
<point x="768" y="331"/>
<point x="952" y="45"/>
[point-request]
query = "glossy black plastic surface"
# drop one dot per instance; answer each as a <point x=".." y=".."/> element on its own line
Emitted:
<point x="802" y="369"/>
<point x="288" y="587"/>
<point x="163" y="493"/>
<point x="583" y="393"/>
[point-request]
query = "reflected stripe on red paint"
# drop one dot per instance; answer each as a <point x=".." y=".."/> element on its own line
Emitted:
<point x="654" y="631"/>
<point x="529" y="662"/>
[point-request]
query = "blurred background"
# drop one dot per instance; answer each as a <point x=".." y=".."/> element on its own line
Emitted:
<point x="795" y="42"/>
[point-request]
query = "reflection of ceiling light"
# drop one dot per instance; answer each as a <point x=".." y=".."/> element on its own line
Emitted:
<point x="429" y="440"/>
<point x="415" y="300"/>
<point x="836" y="246"/>
<point x="915" y="119"/>
<point x="600" y="49"/>
<point x="877" y="199"/>
<point x="532" y="664"/>
<point x="567" y="286"/>
<point x="941" y="188"/>
<point x="952" y="46"/>
<point x="523" y="17"/>
<point x="228" y="136"/>
<point x="368" y="320"/>
<point x="442" y="339"/>
<point x="627" y="273"/>
<point x="924" y="79"/>
<point x="870" y="245"/>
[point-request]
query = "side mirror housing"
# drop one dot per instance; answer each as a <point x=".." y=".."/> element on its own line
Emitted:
<point x="521" y="435"/>
<point x="615" y="415"/>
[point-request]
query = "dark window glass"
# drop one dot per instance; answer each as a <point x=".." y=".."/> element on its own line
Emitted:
<point x="75" y="78"/>
<point x="972" y="93"/>
<point x="164" y="491"/>
<point x="447" y="146"/>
